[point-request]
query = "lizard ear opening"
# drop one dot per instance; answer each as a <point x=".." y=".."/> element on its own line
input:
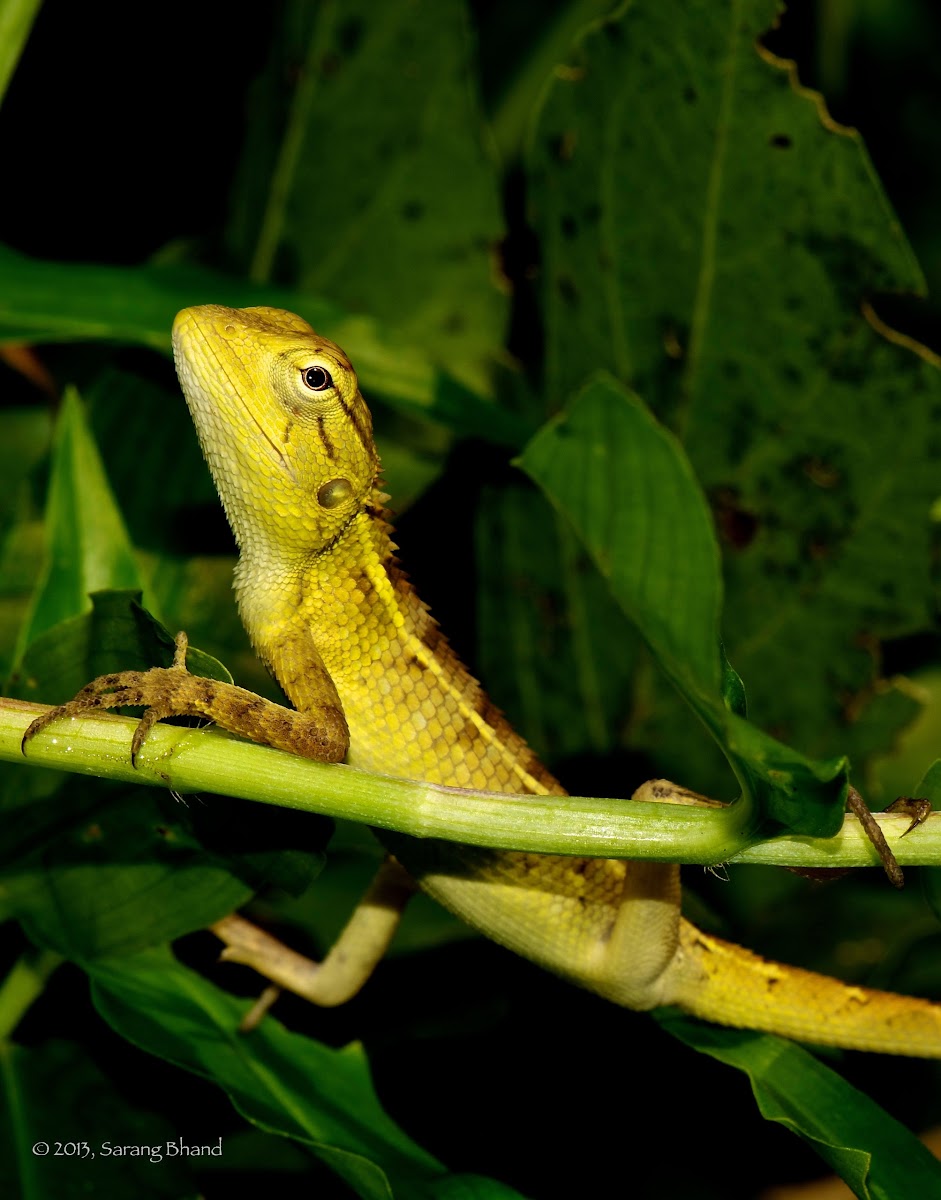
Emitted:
<point x="334" y="492"/>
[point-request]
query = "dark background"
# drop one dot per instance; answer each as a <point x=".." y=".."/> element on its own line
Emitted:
<point x="120" y="134"/>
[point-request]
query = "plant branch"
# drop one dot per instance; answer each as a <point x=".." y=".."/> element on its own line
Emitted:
<point x="208" y="760"/>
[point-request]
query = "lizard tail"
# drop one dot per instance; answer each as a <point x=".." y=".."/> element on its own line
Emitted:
<point x="727" y="984"/>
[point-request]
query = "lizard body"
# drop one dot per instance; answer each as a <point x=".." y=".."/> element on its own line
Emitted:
<point x="289" y="441"/>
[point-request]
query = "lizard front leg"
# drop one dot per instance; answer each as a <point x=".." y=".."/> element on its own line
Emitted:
<point x="319" y="732"/>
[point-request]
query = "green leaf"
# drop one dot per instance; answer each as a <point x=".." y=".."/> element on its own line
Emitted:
<point x="548" y="43"/>
<point x="50" y="301"/>
<point x="117" y="635"/>
<point x="877" y="1156"/>
<point x="87" y="545"/>
<point x="408" y="232"/>
<point x="733" y="690"/>
<point x="94" y="869"/>
<point x="710" y="237"/>
<point x="636" y="504"/>
<point x="556" y="651"/>
<point x="111" y="871"/>
<point x="16" y="21"/>
<point x="54" y="1095"/>
<point x="24" y="443"/>
<point x="44" y="301"/>
<point x="929" y="788"/>
<point x="280" y="1081"/>
<point x="628" y="489"/>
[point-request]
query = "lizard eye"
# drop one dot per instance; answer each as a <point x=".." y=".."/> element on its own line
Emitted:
<point x="318" y="379"/>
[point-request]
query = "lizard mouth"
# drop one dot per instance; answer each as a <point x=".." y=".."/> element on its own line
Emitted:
<point x="276" y="453"/>
<point x="235" y="388"/>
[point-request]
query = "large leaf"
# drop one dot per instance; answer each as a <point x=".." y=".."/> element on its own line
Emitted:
<point x="16" y="20"/>
<point x="282" y="1082"/>
<point x="554" y="648"/>
<point x="381" y="195"/>
<point x="710" y="237"/>
<point x="87" y="544"/>
<point x="54" y="1098"/>
<point x="50" y="301"/>
<point x="877" y="1156"/>
<point x="95" y="869"/>
<point x="628" y="489"/>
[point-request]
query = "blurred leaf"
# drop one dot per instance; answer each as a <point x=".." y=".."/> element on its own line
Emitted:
<point x="117" y="635"/>
<point x="93" y="868"/>
<point x="16" y="20"/>
<point x="87" y="546"/>
<point x="877" y="1156"/>
<point x="24" y="442"/>
<point x="166" y="471"/>
<point x="280" y="1081"/>
<point x="630" y="493"/>
<point x="103" y="870"/>
<point x="548" y="44"/>
<point x="929" y="788"/>
<point x="44" y="301"/>
<point x="896" y="773"/>
<point x="26" y="434"/>
<point x="173" y="515"/>
<point x="110" y="871"/>
<point x="555" y="649"/>
<point x="628" y="488"/>
<point x="50" y="301"/>
<point x="709" y="238"/>
<point x="54" y="1094"/>
<point x="404" y="224"/>
<point x="407" y="473"/>
<point x="733" y="690"/>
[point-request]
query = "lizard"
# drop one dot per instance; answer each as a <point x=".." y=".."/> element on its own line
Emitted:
<point x="373" y="681"/>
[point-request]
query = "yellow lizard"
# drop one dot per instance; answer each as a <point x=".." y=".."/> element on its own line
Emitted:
<point x="289" y="441"/>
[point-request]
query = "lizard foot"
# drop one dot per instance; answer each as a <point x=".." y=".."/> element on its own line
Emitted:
<point x="915" y="807"/>
<point x="162" y="691"/>
<point x="320" y="732"/>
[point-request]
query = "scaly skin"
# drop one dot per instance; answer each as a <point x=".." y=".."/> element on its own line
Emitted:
<point x="359" y="656"/>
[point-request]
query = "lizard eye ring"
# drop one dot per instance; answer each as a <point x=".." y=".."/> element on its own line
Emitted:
<point x="318" y="379"/>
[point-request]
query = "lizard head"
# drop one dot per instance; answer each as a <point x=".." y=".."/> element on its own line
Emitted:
<point x="281" y="421"/>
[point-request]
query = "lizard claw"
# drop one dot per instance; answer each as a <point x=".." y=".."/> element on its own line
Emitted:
<point x="154" y="690"/>
<point x="916" y="807"/>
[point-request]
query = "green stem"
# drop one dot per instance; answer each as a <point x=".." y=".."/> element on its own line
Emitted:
<point x="23" y="985"/>
<point x="207" y="760"/>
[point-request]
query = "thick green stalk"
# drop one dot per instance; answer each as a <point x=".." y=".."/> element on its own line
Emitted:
<point x="207" y="760"/>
